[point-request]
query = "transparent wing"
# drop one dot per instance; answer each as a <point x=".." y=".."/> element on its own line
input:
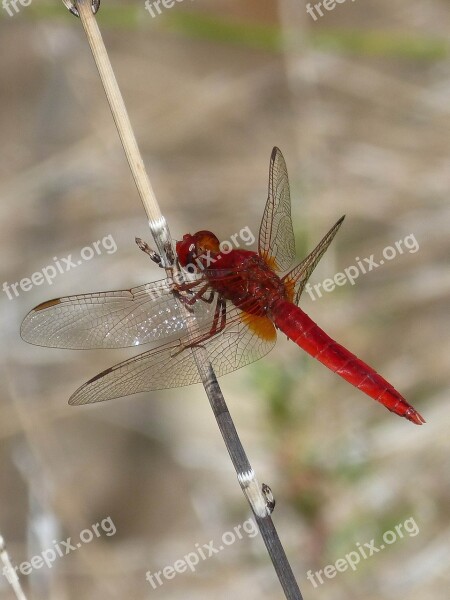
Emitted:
<point x="297" y="278"/>
<point x="109" y="319"/>
<point x="243" y="340"/>
<point x="276" y="236"/>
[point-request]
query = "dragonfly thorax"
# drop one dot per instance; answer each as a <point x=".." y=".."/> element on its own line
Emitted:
<point x="245" y="279"/>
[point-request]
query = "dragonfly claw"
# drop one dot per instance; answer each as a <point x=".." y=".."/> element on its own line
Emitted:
<point x="146" y="248"/>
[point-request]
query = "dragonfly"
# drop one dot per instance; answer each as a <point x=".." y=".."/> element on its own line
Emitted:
<point x="231" y="302"/>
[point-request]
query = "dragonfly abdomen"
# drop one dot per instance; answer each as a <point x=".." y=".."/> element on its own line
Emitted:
<point x="302" y="330"/>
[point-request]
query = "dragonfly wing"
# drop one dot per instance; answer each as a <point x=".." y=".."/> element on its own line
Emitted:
<point x="109" y="319"/>
<point x="242" y="341"/>
<point x="156" y="369"/>
<point x="276" y="236"/>
<point x="297" y="278"/>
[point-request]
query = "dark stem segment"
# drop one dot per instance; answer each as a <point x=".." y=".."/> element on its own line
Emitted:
<point x="243" y="468"/>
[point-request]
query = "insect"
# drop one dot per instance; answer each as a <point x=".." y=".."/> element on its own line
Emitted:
<point x="237" y="299"/>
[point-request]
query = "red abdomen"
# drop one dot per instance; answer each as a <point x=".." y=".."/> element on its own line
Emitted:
<point x="302" y="330"/>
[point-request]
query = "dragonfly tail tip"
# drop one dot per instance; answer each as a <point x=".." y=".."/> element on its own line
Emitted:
<point x="415" y="417"/>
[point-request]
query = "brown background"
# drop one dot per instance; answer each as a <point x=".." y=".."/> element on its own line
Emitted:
<point x="359" y="103"/>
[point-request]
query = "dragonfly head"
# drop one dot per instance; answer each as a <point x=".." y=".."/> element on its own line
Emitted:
<point x="191" y="247"/>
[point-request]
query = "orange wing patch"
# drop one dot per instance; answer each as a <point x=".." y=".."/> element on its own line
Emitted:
<point x="262" y="326"/>
<point x="270" y="261"/>
<point x="289" y="286"/>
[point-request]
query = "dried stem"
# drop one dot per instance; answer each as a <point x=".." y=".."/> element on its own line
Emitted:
<point x="157" y="222"/>
<point x="246" y="476"/>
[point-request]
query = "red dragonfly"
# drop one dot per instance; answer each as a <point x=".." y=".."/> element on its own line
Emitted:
<point x="238" y="299"/>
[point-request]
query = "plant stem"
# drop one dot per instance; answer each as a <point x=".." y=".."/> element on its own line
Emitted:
<point x="161" y="234"/>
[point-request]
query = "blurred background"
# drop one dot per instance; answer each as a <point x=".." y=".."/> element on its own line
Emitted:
<point x="358" y="101"/>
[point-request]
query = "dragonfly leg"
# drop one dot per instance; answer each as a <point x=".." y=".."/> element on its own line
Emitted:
<point x="222" y="309"/>
<point x="184" y="300"/>
<point x="216" y="327"/>
<point x="198" y="295"/>
<point x="189" y="301"/>
<point x="209" y="299"/>
<point x="187" y="285"/>
<point x="146" y="248"/>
